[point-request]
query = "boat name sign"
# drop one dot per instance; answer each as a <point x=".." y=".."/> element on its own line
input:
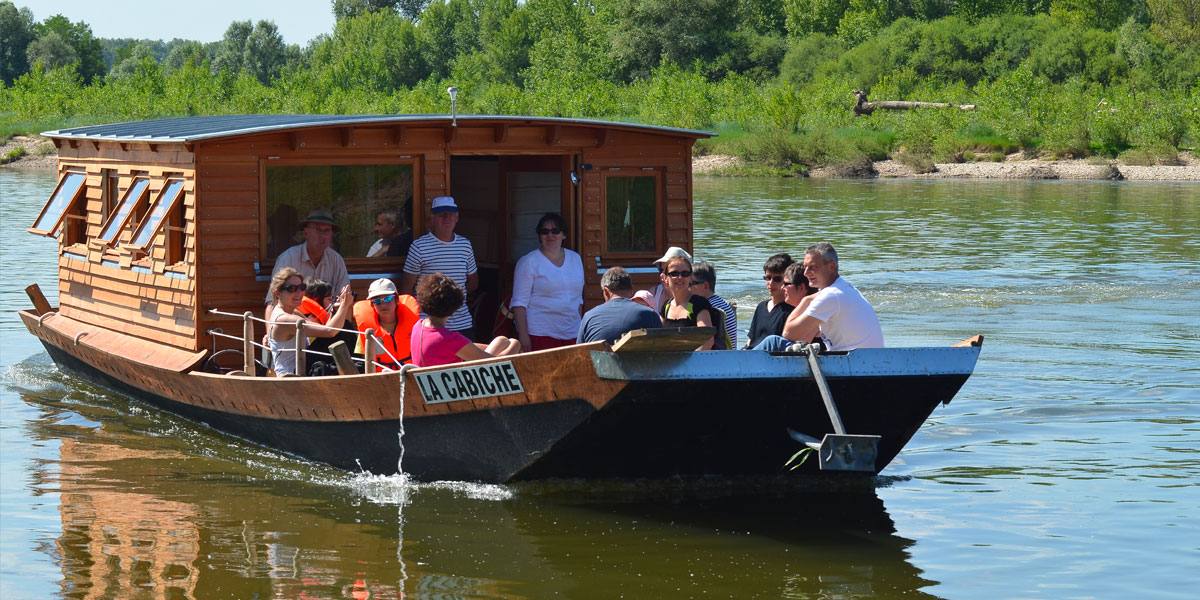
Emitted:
<point x="466" y="383"/>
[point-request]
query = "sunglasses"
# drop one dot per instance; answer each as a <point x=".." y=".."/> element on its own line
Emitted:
<point x="383" y="299"/>
<point x="773" y="278"/>
<point x="291" y="289"/>
<point x="678" y="274"/>
<point x="554" y="231"/>
<point x="794" y="283"/>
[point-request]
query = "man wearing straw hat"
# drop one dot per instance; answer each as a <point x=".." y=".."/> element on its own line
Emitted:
<point x="315" y="257"/>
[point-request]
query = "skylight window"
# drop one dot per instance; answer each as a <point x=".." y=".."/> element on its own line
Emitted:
<point x="163" y="205"/>
<point x="135" y="195"/>
<point x="69" y="190"/>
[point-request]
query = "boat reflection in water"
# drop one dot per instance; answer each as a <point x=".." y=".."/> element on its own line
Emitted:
<point x="188" y="515"/>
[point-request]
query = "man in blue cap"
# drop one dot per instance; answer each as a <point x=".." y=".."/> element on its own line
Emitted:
<point x="443" y="251"/>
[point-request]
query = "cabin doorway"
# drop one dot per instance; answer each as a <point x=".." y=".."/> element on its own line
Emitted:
<point x="500" y="200"/>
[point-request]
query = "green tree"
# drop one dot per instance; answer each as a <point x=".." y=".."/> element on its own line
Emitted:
<point x="232" y="48"/>
<point x="265" y="53"/>
<point x="354" y="8"/>
<point x="448" y="29"/>
<point x="52" y="51"/>
<point x="644" y="32"/>
<point x="1098" y="14"/>
<point x="804" y="17"/>
<point x="1176" y="21"/>
<point x="373" y="51"/>
<point x="88" y="51"/>
<point x="187" y="53"/>
<point x="16" y="33"/>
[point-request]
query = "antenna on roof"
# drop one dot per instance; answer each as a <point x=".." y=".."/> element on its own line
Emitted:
<point x="453" y="91"/>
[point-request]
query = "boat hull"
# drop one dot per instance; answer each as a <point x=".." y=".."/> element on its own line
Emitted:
<point x="581" y="412"/>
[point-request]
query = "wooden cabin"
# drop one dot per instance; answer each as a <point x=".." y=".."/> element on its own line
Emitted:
<point x="161" y="221"/>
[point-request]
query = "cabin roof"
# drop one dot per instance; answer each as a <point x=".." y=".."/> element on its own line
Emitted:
<point x="191" y="129"/>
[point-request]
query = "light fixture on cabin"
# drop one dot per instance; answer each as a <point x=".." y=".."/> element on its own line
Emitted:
<point x="453" y="91"/>
<point x="574" y="178"/>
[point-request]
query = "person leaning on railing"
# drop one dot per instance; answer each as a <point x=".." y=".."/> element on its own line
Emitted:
<point x="287" y="288"/>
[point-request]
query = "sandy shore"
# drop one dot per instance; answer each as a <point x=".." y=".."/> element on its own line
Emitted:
<point x="1014" y="167"/>
<point x="37" y="157"/>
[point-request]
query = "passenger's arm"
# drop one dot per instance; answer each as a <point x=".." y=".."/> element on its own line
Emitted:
<point x="704" y="319"/>
<point x="472" y="282"/>
<point x="408" y="284"/>
<point x="330" y="329"/>
<point x="800" y="327"/>
<point x="520" y="319"/>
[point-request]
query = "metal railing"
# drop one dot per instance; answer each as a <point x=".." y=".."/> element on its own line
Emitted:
<point x="301" y="343"/>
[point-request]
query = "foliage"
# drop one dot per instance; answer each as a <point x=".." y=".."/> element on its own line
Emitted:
<point x="88" y="52"/>
<point x="16" y="33"/>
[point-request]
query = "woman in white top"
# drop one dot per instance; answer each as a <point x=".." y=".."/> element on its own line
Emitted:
<point x="287" y="287"/>
<point x="547" y="294"/>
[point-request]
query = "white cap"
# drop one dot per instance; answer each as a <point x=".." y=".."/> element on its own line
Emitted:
<point x="443" y="204"/>
<point x="381" y="287"/>
<point x="674" y="252"/>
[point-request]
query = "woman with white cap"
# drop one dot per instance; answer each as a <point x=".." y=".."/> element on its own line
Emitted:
<point x="685" y="309"/>
<point x="548" y="290"/>
<point x="391" y="316"/>
<point x="659" y="291"/>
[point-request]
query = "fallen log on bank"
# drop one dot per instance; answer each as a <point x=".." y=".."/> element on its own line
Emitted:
<point x="863" y="107"/>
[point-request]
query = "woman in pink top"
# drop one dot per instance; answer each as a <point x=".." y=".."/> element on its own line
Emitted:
<point x="432" y="343"/>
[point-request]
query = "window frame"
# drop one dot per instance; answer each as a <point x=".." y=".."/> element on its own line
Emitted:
<point x="659" y="221"/>
<point x="116" y="218"/>
<point x="156" y="214"/>
<point x="64" y="204"/>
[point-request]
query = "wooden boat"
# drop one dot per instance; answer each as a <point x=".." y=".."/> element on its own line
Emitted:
<point x="167" y="228"/>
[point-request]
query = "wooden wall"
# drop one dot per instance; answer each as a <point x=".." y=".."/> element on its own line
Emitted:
<point x="224" y="202"/>
<point x="133" y="293"/>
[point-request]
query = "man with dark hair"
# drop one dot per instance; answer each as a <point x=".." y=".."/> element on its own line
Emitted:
<point x="772" y="313"/>
<point x="704" y="284"/>
<point x="837" y="312"/>
<point x="619" y="314"/>
<point x="387" y="226"/>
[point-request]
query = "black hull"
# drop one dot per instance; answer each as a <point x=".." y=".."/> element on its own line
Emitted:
<point x="652" y="429"/>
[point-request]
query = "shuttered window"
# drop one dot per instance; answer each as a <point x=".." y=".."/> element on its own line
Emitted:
<point x="168" y="199"/>
<point x="134" y="196"/>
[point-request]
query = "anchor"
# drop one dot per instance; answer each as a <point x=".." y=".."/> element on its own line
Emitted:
<point x="838" y="451"/>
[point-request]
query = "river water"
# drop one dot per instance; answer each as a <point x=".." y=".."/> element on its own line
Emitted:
<point x="1067" y="467"/>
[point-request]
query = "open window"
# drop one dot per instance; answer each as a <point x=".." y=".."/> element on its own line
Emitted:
<point x="66" y="196"/>
<point x="631" y="213"/>
<point x="132" y="202"/>
<point x="168" y="201"/>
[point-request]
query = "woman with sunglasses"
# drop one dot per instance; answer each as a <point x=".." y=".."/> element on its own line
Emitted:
<point x="548" y="290"/>
<point x="685" y="309"/>
<point x="287" y="288"/>
<point x="392" y="316"/>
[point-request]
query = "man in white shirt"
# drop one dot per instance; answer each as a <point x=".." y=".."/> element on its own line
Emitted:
<point x="442" y="250"/>
<point x="315" y="258"/>
<point x="838" y="312"/>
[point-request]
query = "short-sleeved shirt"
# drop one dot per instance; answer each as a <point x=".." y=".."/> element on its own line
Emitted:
<point x="432" y="346"/>
<point x="550" y="294"/>
<point x="730" y="318"/>
<point x="847" y="319"/>
<point x="615" y="318"/>
<point x="766" y="322"/>
<point x="454" y="259"/>
<point x="331" y="268"/>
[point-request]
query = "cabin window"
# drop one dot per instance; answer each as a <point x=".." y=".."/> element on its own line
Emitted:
<point x="630" y="213"/>
<point x="66" y="195"/>
<point x="110" y="191"/>
<point x="167" y="201"/>
<point x="131" y="202"/>
<point x="355" y="194"/>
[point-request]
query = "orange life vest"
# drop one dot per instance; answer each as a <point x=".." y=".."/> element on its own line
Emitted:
<point x="396" y="342"/>
<point x="312" y="308"/>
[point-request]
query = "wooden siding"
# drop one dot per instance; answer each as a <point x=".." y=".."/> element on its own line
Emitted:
<point x="132" y="293"/>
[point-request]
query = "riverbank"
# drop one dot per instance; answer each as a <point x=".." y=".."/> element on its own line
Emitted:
<point x="1013" y="167"/>
<point x="37" y="152"/>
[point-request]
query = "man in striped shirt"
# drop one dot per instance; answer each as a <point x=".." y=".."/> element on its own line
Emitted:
<point x="443" y="251"/>
<point x="704" y="284"/>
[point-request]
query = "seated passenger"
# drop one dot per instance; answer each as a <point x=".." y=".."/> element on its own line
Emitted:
<point x="704" y="284"/>
<point x="772" y="313"/>
<point x="838" y="313"/>
<point x="432" y="343"/>
<point x="392" y="316"/>
<point x="618" y="315"/>
<point x="683" y="308"/>
<point x="287" y="287"/>
<point x="318" y="295"/>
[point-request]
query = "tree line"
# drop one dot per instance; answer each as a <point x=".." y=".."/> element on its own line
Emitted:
<point x="774" y="77"/>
